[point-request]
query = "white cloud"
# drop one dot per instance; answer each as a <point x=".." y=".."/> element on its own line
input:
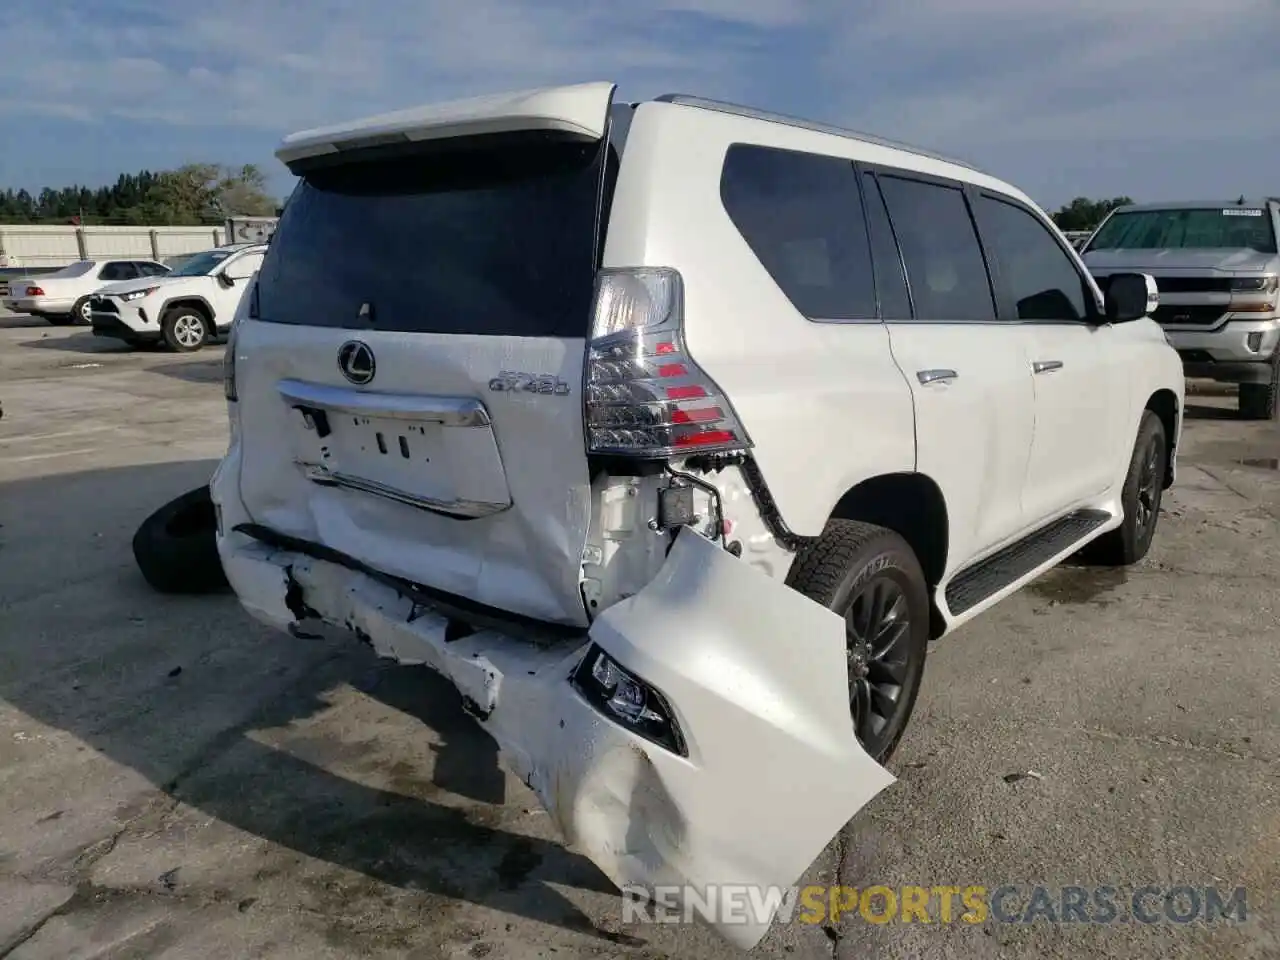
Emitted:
<point x="1042" y="70"/>
<point x="276" y="67"/>
<point x="1018" y="85"/>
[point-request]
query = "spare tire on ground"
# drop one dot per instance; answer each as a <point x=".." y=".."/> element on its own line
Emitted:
<point x="176" y="549"/>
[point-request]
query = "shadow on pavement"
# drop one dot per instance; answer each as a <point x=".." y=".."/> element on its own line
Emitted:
<point x="79" y="343"/>
<point x="19" y="321"/>
<point x="197" y="732"/>
<point x="1201" y="411"/>
<point x="194" y="371"/>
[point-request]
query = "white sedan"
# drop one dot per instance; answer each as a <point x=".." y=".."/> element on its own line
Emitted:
<point x="62" y="297"/>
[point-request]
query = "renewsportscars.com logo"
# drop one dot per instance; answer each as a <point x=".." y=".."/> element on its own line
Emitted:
<point x="944" y="904"/>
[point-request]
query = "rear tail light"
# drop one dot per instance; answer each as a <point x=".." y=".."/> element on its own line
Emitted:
<point x="645" y="396"/>
<point x="35" y="291"/>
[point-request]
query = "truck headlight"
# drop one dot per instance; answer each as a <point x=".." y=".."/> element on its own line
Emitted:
<point x="1254" y="284"/>
<point x="137" y="294"/>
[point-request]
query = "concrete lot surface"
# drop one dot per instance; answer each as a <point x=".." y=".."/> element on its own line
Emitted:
<point x="176" y="782"/>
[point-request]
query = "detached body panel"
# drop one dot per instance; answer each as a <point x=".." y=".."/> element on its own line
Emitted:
<point x="752" y="672"/>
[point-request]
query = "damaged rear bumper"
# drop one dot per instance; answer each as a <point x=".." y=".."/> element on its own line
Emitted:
<point x="766" y="770"/>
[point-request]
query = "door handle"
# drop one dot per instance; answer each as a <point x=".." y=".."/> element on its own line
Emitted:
<point x="936" y="376"/>
<point x="1046" y="366"/>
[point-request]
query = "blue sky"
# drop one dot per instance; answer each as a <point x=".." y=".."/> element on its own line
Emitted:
<point x="1157" y="99"/>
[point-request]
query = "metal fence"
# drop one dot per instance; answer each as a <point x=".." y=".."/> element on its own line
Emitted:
<point x="44" y="245"/>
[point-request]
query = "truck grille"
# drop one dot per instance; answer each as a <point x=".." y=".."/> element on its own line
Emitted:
<point x="1203" y="315"/>
<point x="103" y="305"/>
<point x="1193" y="284"/>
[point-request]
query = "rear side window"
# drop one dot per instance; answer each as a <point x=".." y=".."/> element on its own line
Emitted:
<point x="945" y="266"/>
<point x="479" y="237"/>
<point x="120" y="270"/>
<point x="1037" y="272"/>
<point x="802" y="217"/>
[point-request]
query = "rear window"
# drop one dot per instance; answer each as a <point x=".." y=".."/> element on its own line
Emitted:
<point x="78" y="269"/>
<point x="1229" y="228"/>
<point x="493" y="239"/>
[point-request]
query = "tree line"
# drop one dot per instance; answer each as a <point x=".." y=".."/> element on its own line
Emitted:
<point x="1085" y="214"/>
<point x="195" y="194"/>
<point x="205" y="193"/>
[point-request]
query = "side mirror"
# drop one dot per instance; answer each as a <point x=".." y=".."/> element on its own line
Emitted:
<point x="1130" y="296"/>
<point x="225" y="280"/>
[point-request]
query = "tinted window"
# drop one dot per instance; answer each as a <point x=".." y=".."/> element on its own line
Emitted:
<point x="496" y="239"/>
<point x="1040" y="276"/>
<point x="149" y="269"/>
<point x="945" y="267"/>
<point x="201" y="264"/>
<point x="118" y="271"/>
<point x="802" y="217"/>
<point x="891" y="282"/>
<point x="1229" y="228"/>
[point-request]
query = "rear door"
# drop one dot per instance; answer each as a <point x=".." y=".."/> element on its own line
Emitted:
<point x="967" y="364"/>
<point x="411" y="367"/>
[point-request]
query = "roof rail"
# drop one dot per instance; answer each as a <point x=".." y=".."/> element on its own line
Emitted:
<point x="738" y="110"/>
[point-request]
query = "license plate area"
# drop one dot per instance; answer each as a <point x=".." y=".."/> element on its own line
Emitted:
<point x="436" y="453"/>
<point x="400" y="454"/>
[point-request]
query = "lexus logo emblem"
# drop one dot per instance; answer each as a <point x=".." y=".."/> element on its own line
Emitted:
<point x="355" y="360"/>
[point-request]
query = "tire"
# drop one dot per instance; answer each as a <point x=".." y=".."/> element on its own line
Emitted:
<point x="80" y="316"/>
<point x="844" y="570"/>
<point x="1261" y="401"/>
<point x="176" y="547"/>
<point x="185" y="329"/>
<point x="1143" y="491"/>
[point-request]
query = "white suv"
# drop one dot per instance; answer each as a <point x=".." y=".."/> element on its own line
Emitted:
<point x="672" y="433"/>
<point x="185" y="308"/>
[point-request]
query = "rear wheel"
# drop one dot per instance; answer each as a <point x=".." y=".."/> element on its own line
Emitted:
<point x="871" y="577"/>
<point x="1261" y="401"/>
<point x="185" y="329"/>
<point x="81" y="314"/>
<point x="1143" y="491"/>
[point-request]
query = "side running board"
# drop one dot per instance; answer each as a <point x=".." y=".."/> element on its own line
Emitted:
<point x="988" y="577"/>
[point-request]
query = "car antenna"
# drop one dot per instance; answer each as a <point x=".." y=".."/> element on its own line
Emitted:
<point x="1240" y="202"/>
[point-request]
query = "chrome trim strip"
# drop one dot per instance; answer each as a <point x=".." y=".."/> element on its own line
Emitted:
<point x="464" y="509"/>
<point x="448" y="411"/>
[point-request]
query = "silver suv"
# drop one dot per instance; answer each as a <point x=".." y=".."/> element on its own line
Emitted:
<point x="1216" y="267"/>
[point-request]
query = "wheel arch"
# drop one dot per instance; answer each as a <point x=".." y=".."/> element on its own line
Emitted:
<point x="1164" y="404"/>
<point x="190" y="300"/>
<point x="912" y="506"/>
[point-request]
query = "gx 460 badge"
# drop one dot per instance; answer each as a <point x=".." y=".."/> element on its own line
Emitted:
<point x="509" y="381"/>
